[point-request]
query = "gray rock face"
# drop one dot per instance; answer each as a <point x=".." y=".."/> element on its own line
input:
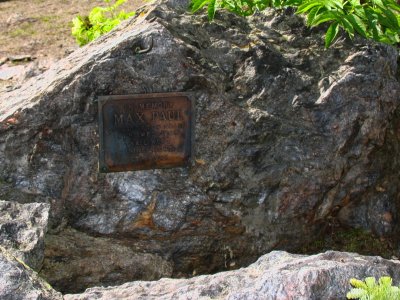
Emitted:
<point x="277" y="275"/>
<point x="19" y="282"/>
<point x="22" y="230"/>
<point x="287" y="136"/>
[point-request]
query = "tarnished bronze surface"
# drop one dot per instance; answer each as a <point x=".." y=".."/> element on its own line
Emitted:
<point x="139" y="132"/>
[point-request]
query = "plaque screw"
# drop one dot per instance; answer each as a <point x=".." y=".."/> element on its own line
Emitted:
<point x="103" y="169"/>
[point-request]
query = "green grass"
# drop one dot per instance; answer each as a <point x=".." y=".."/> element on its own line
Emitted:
<point x="25" y="30"/>
<point x="47" y="19"/>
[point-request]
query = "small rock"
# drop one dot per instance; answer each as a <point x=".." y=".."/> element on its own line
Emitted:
<point x="18" y="18"/>
<point x="13" y="72"/>
<point x="20" y="58"/>
<point x="19" y="282"/>
<point x="22" y="229"/>
<point x="3" y="60"/>
<point x="14" y="19"/>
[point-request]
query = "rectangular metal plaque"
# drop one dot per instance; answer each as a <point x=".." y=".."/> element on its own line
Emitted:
<point x="139" y="132"/>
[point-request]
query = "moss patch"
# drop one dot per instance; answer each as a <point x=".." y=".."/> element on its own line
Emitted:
<point x="353" y="240"/>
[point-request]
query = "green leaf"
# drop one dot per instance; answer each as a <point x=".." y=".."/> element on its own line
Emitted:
<point x="385" y="281"/>
<point x="393" y="5"/>
<point x="382" y="20"/>
<point x="292" y="3"/>
<point x="372" y="23"/>
<point x="376" y="31"/>
<point x="324" y="17"/>
<point x="313" y="12"/>
<point x="347" y="26"/>
<point x="97" y="15"/>
<point x="395" y="290"/>
<point x="391" y="17"/>
<point x="359" y="12"/>
<point x="198" y="4"/>
<point x="354" y="3"/>
<point x="308" y="5"/>
<point x="356" y="293"/>
<point x="99" y="21"/>
<point x="358" y="24"/>
<point x="370" y="282"/>
<point x="331" y="34"/>
<point x="377" y="2"/>
<point x="393" y="36"/>
<point x="330" y="4"/>
<point x="212" y="6"/>
<point x="358" y="283"/>
<point x="124" y="15"/>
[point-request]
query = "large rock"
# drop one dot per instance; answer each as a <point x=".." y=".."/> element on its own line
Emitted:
<point x="288" y="137"/>
<point x="19" y="282"/>
<point x="22" y="230"/>
<point x="277" y="275"/>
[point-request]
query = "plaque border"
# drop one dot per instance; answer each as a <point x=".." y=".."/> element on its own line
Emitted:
<point x="102" y="100"/>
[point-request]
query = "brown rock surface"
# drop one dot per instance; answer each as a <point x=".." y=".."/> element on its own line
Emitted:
<point x="75" y="260"/>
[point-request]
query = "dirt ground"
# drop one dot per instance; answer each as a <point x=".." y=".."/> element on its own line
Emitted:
<point x="38" y="33"/>
<point x="42" y="28"/>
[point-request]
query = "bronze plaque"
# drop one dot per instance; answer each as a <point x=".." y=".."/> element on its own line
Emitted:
<point x="139" y="132"/>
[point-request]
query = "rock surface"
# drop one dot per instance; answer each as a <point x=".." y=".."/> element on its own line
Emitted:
<point x="86" y="261"/>
<point x="19" y="282"/>
<point x="277" y="275"/>
<point x="22" y="230"/>
<point x="288" y="137"/>
<point x="13" y="76"/>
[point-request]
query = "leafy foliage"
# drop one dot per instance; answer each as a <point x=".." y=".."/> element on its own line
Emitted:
<point x="100" y="20"/>
<point x="370" y="290"/>
<point x="374" y="19"/>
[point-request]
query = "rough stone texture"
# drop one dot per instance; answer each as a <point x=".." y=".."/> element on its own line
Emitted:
<point x="288" y="136"/>
<point x="12" y="76"/>
<point x="19" y="282"/>
<point x="22" y="230"/>
<point x="277" y="275"/>
<point x="76" y="261"/>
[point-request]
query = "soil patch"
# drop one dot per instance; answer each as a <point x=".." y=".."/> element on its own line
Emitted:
<point x="41" y="31"/>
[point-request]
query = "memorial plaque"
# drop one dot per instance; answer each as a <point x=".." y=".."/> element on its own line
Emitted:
<point x="139" y="132"/>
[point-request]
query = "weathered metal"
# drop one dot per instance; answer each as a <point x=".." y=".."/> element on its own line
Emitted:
<point x="147" y="131"/>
